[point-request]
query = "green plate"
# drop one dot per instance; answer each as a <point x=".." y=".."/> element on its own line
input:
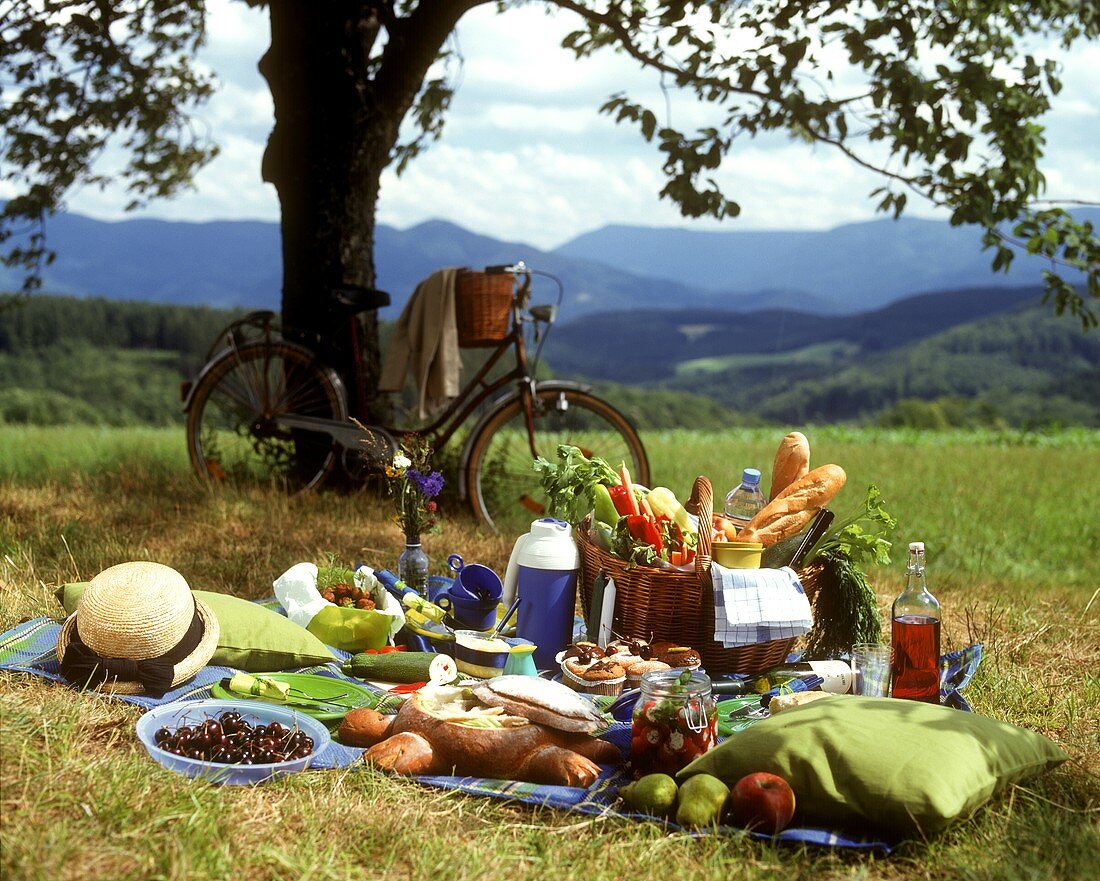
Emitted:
<point x="349" y="695"/>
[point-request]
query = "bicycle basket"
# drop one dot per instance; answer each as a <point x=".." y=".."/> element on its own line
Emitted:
<point x="483" y="308"/>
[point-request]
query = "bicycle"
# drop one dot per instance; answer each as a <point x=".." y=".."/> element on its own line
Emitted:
<point x="267" y="407"/>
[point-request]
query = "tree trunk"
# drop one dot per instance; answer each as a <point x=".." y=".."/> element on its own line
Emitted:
<point x="325" y="157"/>
<point x="337" y="118"/>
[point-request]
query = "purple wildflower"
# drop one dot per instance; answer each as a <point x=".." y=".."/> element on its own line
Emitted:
<point x="430" y="485"/>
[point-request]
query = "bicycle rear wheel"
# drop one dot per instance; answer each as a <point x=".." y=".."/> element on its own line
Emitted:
<point x="232" y="435"/>
<point x="503" y="488"/>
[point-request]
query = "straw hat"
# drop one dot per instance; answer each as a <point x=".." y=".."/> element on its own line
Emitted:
<point x="137" y="623"/>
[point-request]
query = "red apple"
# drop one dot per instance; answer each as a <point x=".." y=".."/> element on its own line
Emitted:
<point x="763" y="802"/>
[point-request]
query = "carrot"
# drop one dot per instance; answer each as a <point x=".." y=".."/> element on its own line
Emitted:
<point x="624" y="478"/>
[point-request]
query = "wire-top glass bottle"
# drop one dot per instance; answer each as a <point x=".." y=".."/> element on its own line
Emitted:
<point x="915" y="636"/>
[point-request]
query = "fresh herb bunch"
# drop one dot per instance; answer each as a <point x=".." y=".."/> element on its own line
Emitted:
<point x="864" y="537"/>
<point x="846" y="609"/>
<point x="414" y="486"/>
<point x="332" y="574"/>
<point x="569" y="485"/>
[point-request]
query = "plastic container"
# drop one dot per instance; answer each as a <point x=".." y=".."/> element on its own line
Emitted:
<point x="743" y="501"/>
<point x="543" y="571"/>
<point x="481" y="654"/>
<point x="179" y="713"/>
<point x="737" y="554"/>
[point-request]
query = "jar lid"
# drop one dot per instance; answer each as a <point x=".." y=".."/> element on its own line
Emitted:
<point x="676" y="683"/>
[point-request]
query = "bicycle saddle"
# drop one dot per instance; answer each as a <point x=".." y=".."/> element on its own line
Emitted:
<point x="360" y="299"/>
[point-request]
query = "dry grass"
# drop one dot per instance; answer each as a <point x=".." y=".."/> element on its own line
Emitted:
<point x="79" y="799"/>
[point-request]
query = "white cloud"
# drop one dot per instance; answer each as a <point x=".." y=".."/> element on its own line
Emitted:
<point x="526" y="155"/>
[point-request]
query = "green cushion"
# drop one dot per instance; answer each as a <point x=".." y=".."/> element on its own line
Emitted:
<point x="882" y="764"/>
<point x="252" y="638"/>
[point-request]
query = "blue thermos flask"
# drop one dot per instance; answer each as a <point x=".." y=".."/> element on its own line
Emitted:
<point x="543" y="572"/>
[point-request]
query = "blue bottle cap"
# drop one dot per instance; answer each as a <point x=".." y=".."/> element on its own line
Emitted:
<point x="750" y="476"/>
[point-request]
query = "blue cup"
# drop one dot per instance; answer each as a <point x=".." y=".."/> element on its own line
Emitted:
<point x="472" y="614"/>
<point x="474" y="581"/>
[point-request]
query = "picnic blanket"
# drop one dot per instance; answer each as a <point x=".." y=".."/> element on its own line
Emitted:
<point x="30" y="648"/>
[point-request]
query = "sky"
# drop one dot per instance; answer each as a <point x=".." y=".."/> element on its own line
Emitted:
<point x="525" y="155"/>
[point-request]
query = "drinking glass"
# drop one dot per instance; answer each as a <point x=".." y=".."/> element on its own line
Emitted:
<point x="871" y="668"/>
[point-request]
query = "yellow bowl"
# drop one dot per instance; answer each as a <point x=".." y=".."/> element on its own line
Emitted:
<point x="737" y="554"/>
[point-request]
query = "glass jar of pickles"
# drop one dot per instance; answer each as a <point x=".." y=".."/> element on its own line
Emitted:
<point x="674" y="721"/>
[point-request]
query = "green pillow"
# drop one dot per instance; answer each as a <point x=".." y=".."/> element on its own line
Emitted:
<point x="889" y="765"/>
<point x="252" y="638"/>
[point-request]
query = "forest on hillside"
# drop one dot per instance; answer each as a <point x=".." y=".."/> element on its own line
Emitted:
<point x="66" y="360"/>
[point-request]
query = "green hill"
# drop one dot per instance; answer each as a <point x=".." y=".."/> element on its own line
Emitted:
<point x="65" y="360"/>
<point x="1026" y="368"/>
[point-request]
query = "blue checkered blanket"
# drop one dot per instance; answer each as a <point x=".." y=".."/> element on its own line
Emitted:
<point x="29" y="648"/>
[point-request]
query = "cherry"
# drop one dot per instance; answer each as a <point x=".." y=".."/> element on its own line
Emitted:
<point x="162" y="735"/>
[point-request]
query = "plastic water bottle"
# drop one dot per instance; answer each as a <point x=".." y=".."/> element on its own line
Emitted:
<point x="742" y="502"/>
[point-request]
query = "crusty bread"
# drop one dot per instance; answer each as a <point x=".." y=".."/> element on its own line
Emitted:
<point x="782" y="702"/>
<point x="792" y="509"/>
<point x="792" y="462"/>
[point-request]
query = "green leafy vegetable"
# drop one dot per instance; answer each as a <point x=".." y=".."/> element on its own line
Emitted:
<point x="626" y="547"/>
<point x="570" y="485"/>
<point x="846" y="608"/>
<point x="863" y="538"/>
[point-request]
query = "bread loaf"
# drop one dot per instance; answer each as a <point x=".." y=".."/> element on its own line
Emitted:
<point x="792" y="462"/>
<point x="789" y="512"/>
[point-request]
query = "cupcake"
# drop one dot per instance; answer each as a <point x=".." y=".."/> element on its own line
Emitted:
<point x="637" y="669"/>
<point x="635" y="656"/>
<point x="598" y="676"/>
<point x="680" y="657"/>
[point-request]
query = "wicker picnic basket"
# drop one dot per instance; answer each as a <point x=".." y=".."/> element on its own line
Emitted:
<point x="663" y="604"/>
<point x="483" y="307"/>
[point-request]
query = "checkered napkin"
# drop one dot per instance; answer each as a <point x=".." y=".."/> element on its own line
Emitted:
<point x="758" y="605"/>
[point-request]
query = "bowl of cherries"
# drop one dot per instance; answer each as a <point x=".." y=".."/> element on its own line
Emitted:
<point x="230" y="742"/>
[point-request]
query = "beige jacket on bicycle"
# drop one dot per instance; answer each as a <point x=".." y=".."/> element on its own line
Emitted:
<point x="425" y="340"/>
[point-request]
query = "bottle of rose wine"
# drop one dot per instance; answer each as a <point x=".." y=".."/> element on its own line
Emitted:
<point x="915" y="636"/>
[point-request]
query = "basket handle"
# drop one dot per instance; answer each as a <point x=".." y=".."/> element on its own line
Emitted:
<point x="701" y="504"/>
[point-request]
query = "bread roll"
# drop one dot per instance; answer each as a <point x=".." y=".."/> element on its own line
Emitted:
<point x="792" y="462"/>
<point x="789" y="512"/>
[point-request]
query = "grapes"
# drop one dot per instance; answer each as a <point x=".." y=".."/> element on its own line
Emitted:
<point x="230" y="740"/>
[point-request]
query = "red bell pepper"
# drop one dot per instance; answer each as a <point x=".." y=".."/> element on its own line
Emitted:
<point x="646" y="530"/>
<point x="619" y="500"/>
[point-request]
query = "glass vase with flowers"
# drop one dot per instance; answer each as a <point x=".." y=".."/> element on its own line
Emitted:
<point x="414" y="487"/>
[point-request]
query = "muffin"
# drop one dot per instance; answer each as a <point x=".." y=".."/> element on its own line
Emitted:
<point x="635" y="656"/>
<point x="680" y="657"/>
<point x="598" y="676"/>
<point x="637" y="669"/>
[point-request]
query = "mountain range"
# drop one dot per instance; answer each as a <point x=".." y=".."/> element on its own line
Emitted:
<point x="852" y="268"/>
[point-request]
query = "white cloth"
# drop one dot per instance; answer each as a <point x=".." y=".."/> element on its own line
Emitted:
<point x="758" y="605"/>
<point x="425" y="341"/>
<point x="296" y="591"/>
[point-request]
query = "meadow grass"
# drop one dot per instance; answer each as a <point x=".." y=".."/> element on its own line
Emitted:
<point x="1010" y="524"/>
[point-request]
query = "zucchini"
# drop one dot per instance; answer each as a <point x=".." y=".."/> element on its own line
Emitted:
<point x="404" y="667"/>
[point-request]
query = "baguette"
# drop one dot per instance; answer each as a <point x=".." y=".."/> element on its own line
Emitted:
<point x="792" y="509"/>
<point x="792" y="462"/>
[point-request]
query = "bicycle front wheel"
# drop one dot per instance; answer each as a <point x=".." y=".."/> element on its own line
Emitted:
<point x="503" y="488"/>
<point x="233" y="435"/>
